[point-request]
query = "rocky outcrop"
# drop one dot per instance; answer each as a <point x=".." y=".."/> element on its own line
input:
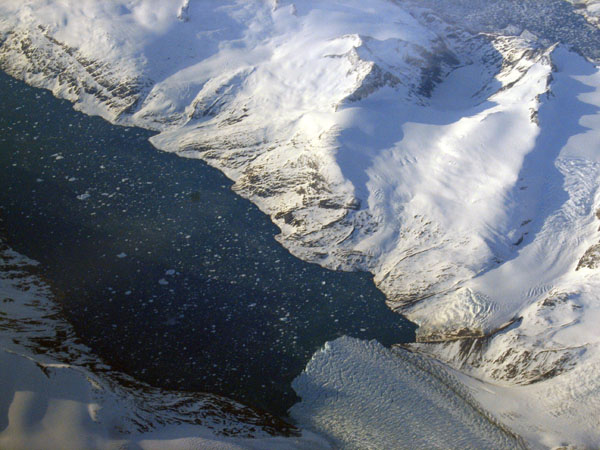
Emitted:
<point x="591" y="257"/>
<point x="34" y="55"/>
<point x="510" y="354"/>
<point x="590" y="9"/>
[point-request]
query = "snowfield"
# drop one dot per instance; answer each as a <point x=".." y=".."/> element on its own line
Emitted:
<point x="461" y="168"/>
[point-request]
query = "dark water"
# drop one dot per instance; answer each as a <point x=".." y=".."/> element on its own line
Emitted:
<point x="166" y="273"/>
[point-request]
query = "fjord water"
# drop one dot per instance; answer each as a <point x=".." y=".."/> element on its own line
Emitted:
<point x="161" y="268"/>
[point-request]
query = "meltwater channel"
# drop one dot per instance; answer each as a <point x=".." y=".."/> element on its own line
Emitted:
<point x="164" y="272"/>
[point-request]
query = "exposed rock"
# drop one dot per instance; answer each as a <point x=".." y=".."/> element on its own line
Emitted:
<point x="591" y="258"/>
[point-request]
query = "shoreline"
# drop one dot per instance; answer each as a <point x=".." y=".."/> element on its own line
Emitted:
<point x="225" y="308"/>
<point x="112" y="408"/>
<point x="33" y="330"/>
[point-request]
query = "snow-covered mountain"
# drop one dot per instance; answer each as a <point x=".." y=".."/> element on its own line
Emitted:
<point x="459" y="167"/>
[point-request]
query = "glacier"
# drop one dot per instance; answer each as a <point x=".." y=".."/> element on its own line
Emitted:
<point x="349" y="382"/>
<point x="457" y="162"/>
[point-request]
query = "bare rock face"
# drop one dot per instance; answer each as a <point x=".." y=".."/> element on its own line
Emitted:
<point x="183" y="13"/>
<point x="41" y="60"/>
<point x="512" y="354"/>
<point x="591" y="258"/>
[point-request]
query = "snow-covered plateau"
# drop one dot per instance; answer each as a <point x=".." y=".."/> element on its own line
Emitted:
<point x="459" y="165"/>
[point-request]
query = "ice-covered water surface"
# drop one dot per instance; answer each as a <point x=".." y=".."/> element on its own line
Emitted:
<point x="363" y="395"/>
<point x="163" y="271"/>
<point x="55" y="394"/>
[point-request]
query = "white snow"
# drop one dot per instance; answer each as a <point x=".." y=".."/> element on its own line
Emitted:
<point x="559" y="412"/>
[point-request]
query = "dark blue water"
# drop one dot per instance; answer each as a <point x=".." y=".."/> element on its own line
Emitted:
<point x="162" y="270"/>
